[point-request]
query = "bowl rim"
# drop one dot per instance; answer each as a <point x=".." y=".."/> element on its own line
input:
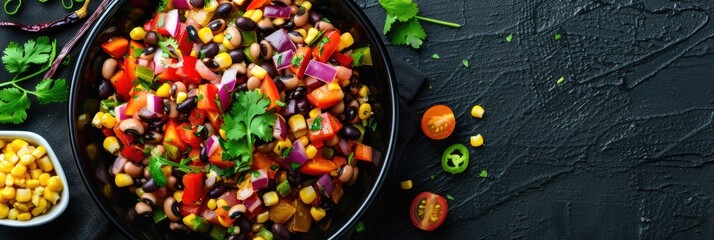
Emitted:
<point x="56" y="210"/>
<point x="362" y="20"/>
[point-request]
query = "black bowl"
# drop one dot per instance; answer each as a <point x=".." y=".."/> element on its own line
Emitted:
<point x="117" y="204"/>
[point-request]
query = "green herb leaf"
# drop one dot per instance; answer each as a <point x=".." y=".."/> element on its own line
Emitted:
<point x="432" y="177"/>
<point x="161" y="6"/>
<point x="67" y="60"/>
<point x="47" y="92"/>
<point x="246" y="121"/>
<point x="509" y="38"/>
<point x="13" y="105"/>
<point x="286" y="152"/>
<point x="465" y="62"/>
<point x="350" y="158"/>
<point x="448" y="196"/>
<point x="296" y="61"/>
<point x="388" y="23"/>
<point x="402" y="10"/>
<point x="316" y="124"/>
<point x="359" y="227"/>
<point x="435" y="56"/>
<point x="557" y="36"/>
<point x="294" y="166"/>
<point x="408" y="33"/>
<point x="483" y="173"/>
<point x="157" y="161"/>
<point x="560" y="81"/>
<point x="17" y="59"/>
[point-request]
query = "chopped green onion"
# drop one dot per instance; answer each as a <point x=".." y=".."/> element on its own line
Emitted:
<point x="558" y="36"/>
<point x="483" y="173"/>
<point x="359" y="227"/>
<point x="432" y="177"/>
<point x="560" y="81"/>
<point x="465" y="62"/>
<point x="448" y="196"/>
<point x="509" y="38"/>
<point x="435" y="56"/>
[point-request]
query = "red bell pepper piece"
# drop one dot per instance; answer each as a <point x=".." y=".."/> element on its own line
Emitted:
<point x="159" y="22"/>
<point x="215" y="118"/>
<point x="207" y="98"/>
<point x="123" y="138"/>
<point x="185" y="44"/>
<point x="301" y="59"/>
<point x="323" y="97"/>
<point x="122" y="85"/>
<point x="271" y="91"/>
<point x="188" y="73"/>
<point x="186" y="210"/>
<point x="116" y="47"/>
<point x="256" y="4"/>
<point x="171" y="136"/>
<point x="327" y="45"/>
<point x="168" y="75"/>
<point x="187" y="133"/>
<point x="328" y="129"/>
<point x="262" y="161"/>
<point x="194" y="190"/>
<point x="317" y="166"/>
<point x="363" y="152"/>
<point x="197" y="117"/>
<point x="133" y="152"/>
<point x="130" y="68"/>
<point x="343" y="59"/>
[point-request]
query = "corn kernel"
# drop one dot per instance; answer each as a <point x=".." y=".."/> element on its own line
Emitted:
<point x="43" y="203"/>
<point x="3" y="177"/>
<point x="307" y="5"/>
<point x="188" y="220"/>
<point x="111" y="144"/>
<point x="37" y="211"/>
<point x="108" y="121"/>
<point x="178" y="195"/>
<point x="180" y="97"/>
<point x="137" y="33"/>
<point x="298" y="125"/>
<point x="35" y="173"/>
<point x="365" y="111"/>
<point x="12" y="158"/>
<point x="305" y="140"/>
<point x="258" y="238"/>
<point x="23" y="195"/>
<point x="211" y="204"/>
<point x="263" y="217"/>
<point x="346" y="40"/>
<point x="223" y="134"/>
<point x="258" y="72"/>
<point x="317" y="213"/>
<point x="32" y="166"/>
<point x="12" y="214"/>
<point x="333" y="86"/>
<point x="310" y="151"/>
<point x="164" y="91"/>
<point x="257" y="15"/>
<point x="210" y="6"/>
<point x="476" y="141"/>
<point x="270" y="198"/>
<point x="6" y="166"/>
<point x="406" y="185"/>
<point x="55" y="184"/>
<point x="227" y="43"/>
<point x="307" y="194"/>
<point x="121" y="180"/>
<point x="224" y="60"/>
<point x="220" y="203"/>
<point x="45" y="163"/>
<point x="248" y="13"/>
<point x="24" y="216"/>
<point x="97" y="120"/>
<point x="2" y="143"/>
<point x="9" y="180"/>
<point x="32" y="183"/>
<point x="477" y="111"/>
<point x="27" y="160"/>
<point x="364" y="91"/>
<point x="278" y="21"/>
<point x="314" y="112"/>
<point x="38" y="152"/>
<point x="8" y="193"/>
<point x="19" y="182"/>
<point x="18" y="171"/>
<point x="39" y="191"/>
<point x="311" y="35"/>
<point x="23" y="151"/>
<point x="218" y="38"/>
<point x="281" y="146"/>
<point x="205" y="34"/>
<point x="43" y="179"/>
<point x="4" y="209"/>
<point x="18" y="144"/>
<point x="50" y="196"/>
<point x="301" y="31"/>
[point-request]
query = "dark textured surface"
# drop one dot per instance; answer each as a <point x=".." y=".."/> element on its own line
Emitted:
<point x="622" y="150"/>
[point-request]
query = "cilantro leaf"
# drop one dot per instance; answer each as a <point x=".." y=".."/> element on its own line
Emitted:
<point x="12" y="58"/>
<point x="388" y="23"/>
<point x="13" y="105"/>
<point x="448" y="196"/>
<point x="156" y="173"/>
<point x="402" y="10"/>
<point x="408" y="33"/>
<point x="316" y="124"/>
<point x="47" y="92"/>
<point x="246" y="121"/>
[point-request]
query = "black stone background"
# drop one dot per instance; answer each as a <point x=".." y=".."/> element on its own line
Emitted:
<point x="622" y="150"/>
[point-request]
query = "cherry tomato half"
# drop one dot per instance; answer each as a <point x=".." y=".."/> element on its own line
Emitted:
<point x="428" y="211"/>
<point x="438" y="122"/>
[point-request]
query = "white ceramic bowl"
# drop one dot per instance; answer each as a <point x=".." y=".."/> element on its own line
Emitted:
<point x="54" y="211"/>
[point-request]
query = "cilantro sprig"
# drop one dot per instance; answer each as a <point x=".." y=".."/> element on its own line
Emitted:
<point x="22" y="60"/>
<point x="402" y="24"/>
<point x="247" y="121"/>
<point x="157" y="161"/>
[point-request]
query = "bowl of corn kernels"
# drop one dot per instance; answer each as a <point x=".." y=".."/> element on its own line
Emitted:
<point x="33" y="187"/>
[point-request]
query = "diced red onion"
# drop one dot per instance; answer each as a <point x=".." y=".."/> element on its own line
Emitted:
<point x="118" y="165"/>
<point x="324" y="72"/>
<point x="261" y="181"/>
<point x="159" y="61"/>
<point x="245" y="192"/>
<point x="224" y="97"/>
<point x="230" y="197"/>
<point x="290" y="109"/>
<point x="206" y="72"/>
<point x="229" y="78"/>
<point x="344" y="147"/>
<point x="209" y="215"/>
<point x="172" y="22"/>
<point x="212" y="145"/>
<point x="252" y="203"/>
<point x="154" y="103"/>
<point x="182" y="4"/>
<point x="297" y="154"/>
<point x="283" y="60"/>
<point x="343" y="73"/>
<point x="275" y="11"/>
<point x="280" y="41"/>
<point x="325" y="185"/>
<point x="313" y="83"/>
<point x="210" y="180"/>
<point x="143" y="62"/>
<point x="119" y="111"/>
<point x="280" y="129"/>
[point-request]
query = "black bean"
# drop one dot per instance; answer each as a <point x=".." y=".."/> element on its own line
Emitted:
<point x="326" y="204"/>
<point x="179" y="185"/>
<point x="151" y="38"/>
<point x="217" y="26"/>
<point x="245" y="24"/>
<point x="243" y="87"/>
<point x="210" y="63"/>
<point x="350" y="132"/>
<point x="149" y="50"/>
<point x="280" y="231"/>
<point x="224" y="8"/>
<point x="187" y="105"/>
<point x="175" y="209"/>
<point x="217" y="191"/>
<point x="105" y="89"/>
<point x="350" y="113"/>
<point x="197" y="3"/>
<point x="150" y="186"/>
<point x="269" y="66"/>
<point x="240" y="236"/>
<point x="315" y="17"/>
<point x="152" y="137"/>
<point x="138" y="182"/>
<point x="299" y="92"/>
<point x="243" y="223"/>
<point x="237" y="55"/>
<point x="192" y="33"/>
<point x="279" y="84"/>
<point x="294" y="177"/>
<point x="290" y="25"/>
<point x="210" y="50"/>
<point x="176" y="172"/>
<point x="204" y="154"/>
<point x="303" y="106"/>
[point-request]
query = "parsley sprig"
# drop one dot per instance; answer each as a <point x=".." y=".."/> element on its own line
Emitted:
<point x="407" y="30"/>
<point x="20" y="60"/>
<point x="247" y="121"/>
